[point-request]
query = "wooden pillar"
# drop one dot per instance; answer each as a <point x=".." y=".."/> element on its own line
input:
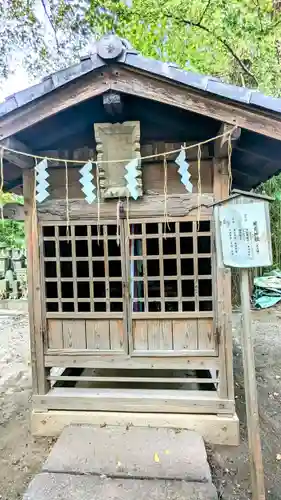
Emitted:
<point x="37" y="328"/>
<point x="223" y="275"/>
<point x="251" y="394"/>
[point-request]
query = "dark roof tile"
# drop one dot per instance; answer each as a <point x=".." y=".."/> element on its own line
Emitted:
<point x="240" y="94"/>
<point x="68" y="74"/>
<point x="131" y="58"/>
<point x="31" y="93"/>
<point x="264" y="101"/>
<point x="8" y="105"/>
<point x="167" y="70"/>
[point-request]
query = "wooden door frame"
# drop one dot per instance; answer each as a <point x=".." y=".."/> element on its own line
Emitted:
<point x="127" y="314"/>
<point x="77" y="315"/>
<point x="169" y="316"/>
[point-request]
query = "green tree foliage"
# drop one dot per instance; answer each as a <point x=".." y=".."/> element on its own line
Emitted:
<point x="41" y="35"/>
<point x="272" y="188"/>
<point x="11" y="232"/>
<point x="6" y="197"/>
<point x="237" y="40"/>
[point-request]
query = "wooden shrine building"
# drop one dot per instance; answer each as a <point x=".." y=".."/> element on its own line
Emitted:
<point x="130" y="315"/>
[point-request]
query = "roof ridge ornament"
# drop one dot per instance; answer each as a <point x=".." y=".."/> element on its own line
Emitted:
<point x="110" y="47"/>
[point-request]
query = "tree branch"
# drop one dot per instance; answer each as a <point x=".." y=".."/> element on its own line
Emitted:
<point x="204" y="11"/>
<point x="257" y="3"/>
<point x="51" y="23"/>
<point x="219" y="39"/>
<point x="274" y="25"/>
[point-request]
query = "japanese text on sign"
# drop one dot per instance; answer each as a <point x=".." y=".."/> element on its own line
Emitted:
<point x="245" y="235"/>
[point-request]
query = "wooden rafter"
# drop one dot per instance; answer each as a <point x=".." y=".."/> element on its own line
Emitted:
<point x="143" y="85"/>
<point x="221" y="145"/>
<point x="52" y="103"/>
<point x="19" y="160"/>
<point x="183" y="97"/>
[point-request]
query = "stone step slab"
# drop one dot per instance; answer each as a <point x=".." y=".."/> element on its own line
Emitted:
<point x="136" y="452"/>
<point x="46" y="486"/>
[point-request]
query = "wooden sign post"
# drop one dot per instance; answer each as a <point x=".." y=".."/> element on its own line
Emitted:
<point x="245" y="242"/>
<point x="251" y="396"/>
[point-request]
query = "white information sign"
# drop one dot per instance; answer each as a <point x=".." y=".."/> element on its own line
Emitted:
<point x="245" y="235"/>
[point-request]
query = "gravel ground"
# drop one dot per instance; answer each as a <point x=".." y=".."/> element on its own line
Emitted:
<point x="14" y="364"/>
<point x="21" y="456"/>
<point x="230" y="465"/>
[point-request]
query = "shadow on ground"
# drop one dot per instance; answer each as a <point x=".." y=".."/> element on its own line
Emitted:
<point x="230" y="465"/>
<point x="22" y="457"/>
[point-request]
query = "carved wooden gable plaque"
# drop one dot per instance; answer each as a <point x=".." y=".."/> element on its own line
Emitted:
<point x="120" y="141"/>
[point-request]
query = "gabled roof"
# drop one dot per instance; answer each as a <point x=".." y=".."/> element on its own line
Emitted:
<point x="111" y="48"/>
<point x="162" y="95"/>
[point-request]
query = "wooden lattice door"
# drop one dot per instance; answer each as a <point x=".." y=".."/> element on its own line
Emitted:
<point x="171" y="310"/>
<point x="84" y="282"/>
<point x="142" y="288"/>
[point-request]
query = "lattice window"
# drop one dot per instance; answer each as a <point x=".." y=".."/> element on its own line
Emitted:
<point x="83" y="271"/>
<point x="171" y="267"/>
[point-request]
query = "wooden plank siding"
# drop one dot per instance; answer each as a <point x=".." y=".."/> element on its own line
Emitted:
<point x="80" y="334"/>
<point x="156" y="401"/>
<point x="191" y="337"/>
<point x="178" y="205"/>
<point x="186" y="337"/>
<point x="120" y="360"/>
<point x="152" y="179"/>
<point x="55" y="335"/>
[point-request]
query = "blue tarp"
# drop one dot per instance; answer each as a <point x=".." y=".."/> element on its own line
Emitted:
<point x="267" y="290"/>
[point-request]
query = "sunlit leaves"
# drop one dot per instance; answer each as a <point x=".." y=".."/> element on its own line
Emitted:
<point x="198" y="35"/>
<point x="39" y="42"/>
<point x="236" y="40"/>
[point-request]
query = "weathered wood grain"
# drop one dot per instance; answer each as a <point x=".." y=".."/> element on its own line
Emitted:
<point x="97" y="334"/>
<point x="150" y="206"/>
<point x="71" y="94"/>
<point x="74" y="334"/>
<point x="166" y="335"/>
<point x="177" y="95"/>
<point x="37" y="321"/>
<point x="117" y="142"/>
<point x="224" y="144"/>
<point x="17" y="159"/>
<point x="154" y="400"/>
<point x="152" y="178"/>
<point x="215" y="429"/>
<point x="89" y="359"/>
<point x="206" y="338"/>
<point x="117" y="334"/>
<point x="185" y="335"/>
<point x="251" y="394"/>
<point x="140" y="335"/>
<point x="153" y="333"/>
<point x="223" y="291"/>
<point x="55" y="335"/>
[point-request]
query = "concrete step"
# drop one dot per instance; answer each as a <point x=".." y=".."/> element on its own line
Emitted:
<point x="46" y="486"/>
<point x="137" y="452"/>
